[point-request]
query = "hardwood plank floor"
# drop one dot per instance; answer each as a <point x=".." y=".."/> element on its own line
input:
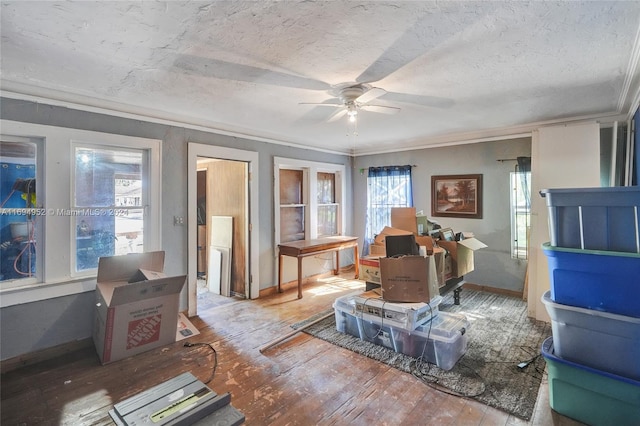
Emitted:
<point x="301" y="381"/>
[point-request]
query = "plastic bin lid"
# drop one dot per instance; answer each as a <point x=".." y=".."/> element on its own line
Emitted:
<point x="446" y="324"/>
<point x="549" y="355"/>
<point x="552" y="251"/>
<point x="591" y="190"/>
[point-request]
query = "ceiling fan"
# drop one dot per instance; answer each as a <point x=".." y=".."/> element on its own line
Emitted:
<point x="355" y="97"/>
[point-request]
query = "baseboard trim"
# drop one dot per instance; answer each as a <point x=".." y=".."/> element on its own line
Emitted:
<point x="44" y="354"/>
<point x="489" y="289"/>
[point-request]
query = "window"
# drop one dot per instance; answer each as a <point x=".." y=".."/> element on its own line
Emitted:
<point x="387" y="187"/>
<point x="96" y="194"/>
<point x="520" y="214"/>
<point x="309" y="197"/>
<point x="108" y="203"/>
<point x="292" y="205"/>
<point x="18" y="213"/>
<point x="327" y="206"/>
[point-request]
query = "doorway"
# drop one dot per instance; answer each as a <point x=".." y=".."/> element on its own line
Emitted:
<point x="222" y="225"/>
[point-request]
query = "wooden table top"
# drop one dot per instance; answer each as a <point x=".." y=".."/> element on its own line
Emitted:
<point x="318" y="244"/>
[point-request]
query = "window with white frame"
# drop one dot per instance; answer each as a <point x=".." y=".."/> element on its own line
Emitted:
<point x="387" y="187"/>
<point x="19" y="167"/>
<point x="108" y="203"/>
<point x="327" y="206"/>
<point x="309" y="199"/>
<point x="96" y="194"/>
<point x="520" y="214"/>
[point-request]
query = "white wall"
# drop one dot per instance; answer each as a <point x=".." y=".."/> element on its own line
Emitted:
<point x="565" y="156"/>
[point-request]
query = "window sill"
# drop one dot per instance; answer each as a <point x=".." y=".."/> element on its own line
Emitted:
<point x="42" y="291"/>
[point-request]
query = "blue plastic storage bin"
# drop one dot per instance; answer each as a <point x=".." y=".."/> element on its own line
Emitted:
<point x="588" y="395"/>
<point x="601" y="280"/>
<point x="595" y="218"/>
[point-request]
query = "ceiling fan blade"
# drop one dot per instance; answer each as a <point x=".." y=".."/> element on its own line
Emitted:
<point x="337" y="116"/>
<point x="381" y="108"/>
<point x="371" y="94"/>
<point x="320" y="104"/>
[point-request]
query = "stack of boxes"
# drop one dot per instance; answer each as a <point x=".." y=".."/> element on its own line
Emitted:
<point x="593" y="357"/>
<point x="400" y="310"/>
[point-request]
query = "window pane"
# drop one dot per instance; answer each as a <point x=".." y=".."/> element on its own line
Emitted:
<point x="520" y="215"/>
<point x="383" y="193"/>
<point x="108" y="210"/>
<point x="291" y="186"/>
<point x="327" y="209"/>
<point x="326" y="188"/>
<point x="327" y="220"/>
<point x="291" y="224"/>
<point x="17" y="225"/>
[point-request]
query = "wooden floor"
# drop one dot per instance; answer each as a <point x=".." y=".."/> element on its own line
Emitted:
<point x="301" y="381"/>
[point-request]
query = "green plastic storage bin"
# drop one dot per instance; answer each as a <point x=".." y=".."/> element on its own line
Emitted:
<point x="588" y="395"/>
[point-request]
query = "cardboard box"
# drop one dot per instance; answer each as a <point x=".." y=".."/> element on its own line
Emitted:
<point x="378" y="248"/>
<point x="461" y="253"/>
<point x="387" y="230"/>
<point x="404" y="218"/>
<point x="134" y="317"/>
<point x="370" y="269"/>
<point x="409" y="279"/>
<point x="439" y="257"/>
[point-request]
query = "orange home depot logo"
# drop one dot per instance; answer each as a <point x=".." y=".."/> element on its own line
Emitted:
<point x="143" y="331"/>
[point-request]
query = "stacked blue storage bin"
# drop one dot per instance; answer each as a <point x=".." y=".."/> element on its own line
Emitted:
<point x="593" y="357"/>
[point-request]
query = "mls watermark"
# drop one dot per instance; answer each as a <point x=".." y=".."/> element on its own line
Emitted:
<point x="64" y="212"/>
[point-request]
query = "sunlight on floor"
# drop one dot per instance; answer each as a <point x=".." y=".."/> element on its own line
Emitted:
<point x="73" y="409"/>
<point x="473" y="316"/>
<point x="332" y="285"/>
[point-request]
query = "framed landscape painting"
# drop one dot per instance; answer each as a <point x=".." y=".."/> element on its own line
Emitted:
<point x="456" y="196"/>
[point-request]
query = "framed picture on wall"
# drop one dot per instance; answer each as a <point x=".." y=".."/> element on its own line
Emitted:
<point x="456" y="196"/>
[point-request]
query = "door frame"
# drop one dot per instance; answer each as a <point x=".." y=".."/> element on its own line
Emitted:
<point x="196" y="150"/>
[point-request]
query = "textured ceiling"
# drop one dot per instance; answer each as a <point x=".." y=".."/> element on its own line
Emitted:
<point x="457" y="70"/>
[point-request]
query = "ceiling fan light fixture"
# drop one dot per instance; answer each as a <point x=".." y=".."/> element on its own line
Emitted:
<point x="352" y="111"/>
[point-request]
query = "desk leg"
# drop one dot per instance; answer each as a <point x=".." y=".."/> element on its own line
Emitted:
<point x="279" y="272"/>
<point x="357" y="260"/>
<point x="335" y="271"/>
<point x="299" y="277"/>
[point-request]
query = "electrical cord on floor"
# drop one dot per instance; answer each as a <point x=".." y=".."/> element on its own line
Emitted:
<point x="431" y="380"/>
<point x="215" y="357"/>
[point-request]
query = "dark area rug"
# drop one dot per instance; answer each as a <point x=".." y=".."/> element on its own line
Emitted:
<point x="500" y="337"/>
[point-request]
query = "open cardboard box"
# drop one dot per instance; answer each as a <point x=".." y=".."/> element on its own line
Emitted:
<point x="409" y="279"/>
<point x="378" y="248"/>
<point x="370" y="269"/>
<point x="461" y="253"/>
<point x="136" y="305"/>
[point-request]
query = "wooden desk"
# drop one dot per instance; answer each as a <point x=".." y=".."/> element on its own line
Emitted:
<point x="304" y="248"/>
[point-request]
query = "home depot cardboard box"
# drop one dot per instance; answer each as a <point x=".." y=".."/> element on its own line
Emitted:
<point x="136" y="305"/>
<point x="370" y="269"/>
<point x="461" y="253"/>
<point x="408" y="279"/>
